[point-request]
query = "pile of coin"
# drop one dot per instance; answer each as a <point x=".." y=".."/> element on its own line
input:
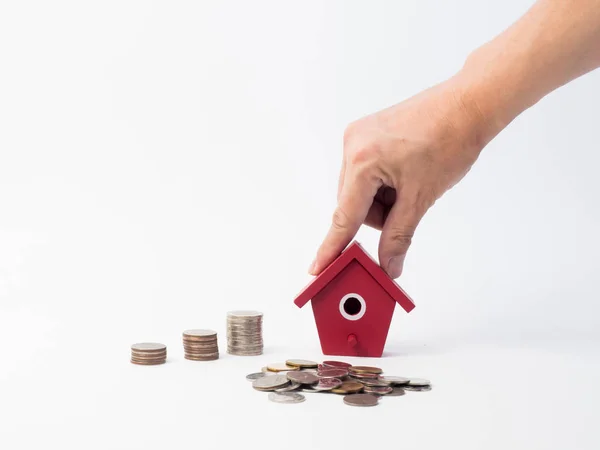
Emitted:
<point x="200" y="345"/>
<point x="244" y="333"/>
<point x="287" y="382"/>
<point x="148" y="353"/>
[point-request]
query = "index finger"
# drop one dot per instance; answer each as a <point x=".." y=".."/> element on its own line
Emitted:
<point x="354" y="202"/>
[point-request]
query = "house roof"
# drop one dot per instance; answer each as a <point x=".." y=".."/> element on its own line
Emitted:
<point x="355" y="252"/>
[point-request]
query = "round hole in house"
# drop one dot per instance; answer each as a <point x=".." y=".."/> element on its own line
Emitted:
<point x="352" y="306"/>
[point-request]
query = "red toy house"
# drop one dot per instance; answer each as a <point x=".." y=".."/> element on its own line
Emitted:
<point x="353" y="301"/>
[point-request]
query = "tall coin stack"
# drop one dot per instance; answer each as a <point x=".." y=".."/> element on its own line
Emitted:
<point x="200" y="345"/>
<point x="244" y="333"/>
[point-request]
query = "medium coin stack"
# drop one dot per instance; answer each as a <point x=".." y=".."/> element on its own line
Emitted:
<point x="244" y="333"/>
<point x="200" y="345"/>
<point x="148" y="353"/>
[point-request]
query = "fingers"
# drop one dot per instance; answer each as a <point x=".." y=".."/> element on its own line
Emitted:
<point x="354" y="202"/>
<point x="397" y="233"/>
<point x="342" y="176"/>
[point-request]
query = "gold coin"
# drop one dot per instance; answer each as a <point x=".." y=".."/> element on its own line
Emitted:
<point x="302" y="363"/>
<point x="348" y="387"/>
<point x="279" y="367"/>
<point x="365" y="369"/>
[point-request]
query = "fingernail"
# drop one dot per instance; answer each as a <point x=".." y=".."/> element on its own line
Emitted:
<point x="311" y="269"/>
<point x="395" y="266"/>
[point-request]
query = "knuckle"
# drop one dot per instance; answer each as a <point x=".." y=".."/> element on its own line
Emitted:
<point x="340" y="220"/>
<point x="364" y="154"/>
<point x="401" y="236"/>
<point x="351" y="131"/>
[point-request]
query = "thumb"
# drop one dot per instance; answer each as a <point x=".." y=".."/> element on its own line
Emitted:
<point x="397" y="233"/>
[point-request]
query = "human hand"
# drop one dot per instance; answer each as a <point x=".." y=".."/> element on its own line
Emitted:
<point x="397" y="163"/>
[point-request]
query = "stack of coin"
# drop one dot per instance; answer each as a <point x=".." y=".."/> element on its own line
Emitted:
<point x="148" y="353"/>
<point x="200" y="345"/>
<point x="244" y="333"/>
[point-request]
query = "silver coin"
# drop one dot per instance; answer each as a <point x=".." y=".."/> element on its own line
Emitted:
<point x="416" y="388"/>
<point x="395" y="381"/>
<point x="286" y="397"/>
<point x="419" y="382"/>
<point x="291" y="387"/>
<point x="256" y="375"/>
<point x="270" y="382"/>
<point x="397" y="391"/>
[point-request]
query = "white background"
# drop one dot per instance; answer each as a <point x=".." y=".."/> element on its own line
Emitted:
<point x="162" y="163"/>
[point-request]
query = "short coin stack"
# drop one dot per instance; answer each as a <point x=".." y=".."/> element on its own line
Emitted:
<point x="148" y="353"/>
<point x="360" y="385"/>
<point x="244" y="333"/>
<point x="200" y="345"/>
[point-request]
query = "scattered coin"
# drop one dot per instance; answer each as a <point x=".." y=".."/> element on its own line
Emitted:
<point x="302" y="377"/>
<point x="361" y="400"/>
<point x="416" y="388"/>
<point x="244" y="333"/>
<point x="364" y="375"/>
<point x="364" y="370"/>
<point x="348" y="387"/>
<point x="337" y="364"/>
<point x="280" y="367"/>
<point x="396" y="392"/>
<point x="395" y="381"/>
<point x="373" y="382"/>
<point x="327" y="384"/>
<point x="379" y="390"/>
<point x="286" y="397"/>
<point x="290" y="387"/>
<point x="332" y="373"/>
<point x="254" y="376"/>
<point x="419" y="382"/>
<point x="270" y="382"/>
<point x="302" y="363"/>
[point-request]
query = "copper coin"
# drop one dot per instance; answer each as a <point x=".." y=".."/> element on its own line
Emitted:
<point x="301" y="363"/>
<point x="395" y="381"/>
<point x="332" y="373"/>
<point x="141" y="360"/>
<point x="380" y="390"/>
<point x="149" y="347"/>
<point x="327" y="384"/>
<point x="151" y="354"/>
<point x="373" y="382"/>
<point x="370" y="376"/>
<point x="201" y="358"/>
<point x="361" y="400"/>
<point x="148" y="363"/>
<point x="396" y="392"/>
<point x="302" y="377"/>
<point x="364" y="369"/>
<point x="348" y="387"/>
<point x="337" y="364"/>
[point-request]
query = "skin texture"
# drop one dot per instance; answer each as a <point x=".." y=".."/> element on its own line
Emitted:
<point x="399" y="161"/>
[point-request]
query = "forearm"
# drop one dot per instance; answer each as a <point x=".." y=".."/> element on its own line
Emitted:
<point x="555" y="42"/>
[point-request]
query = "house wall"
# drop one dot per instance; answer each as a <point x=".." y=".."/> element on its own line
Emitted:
<point x="371" y="329"/>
